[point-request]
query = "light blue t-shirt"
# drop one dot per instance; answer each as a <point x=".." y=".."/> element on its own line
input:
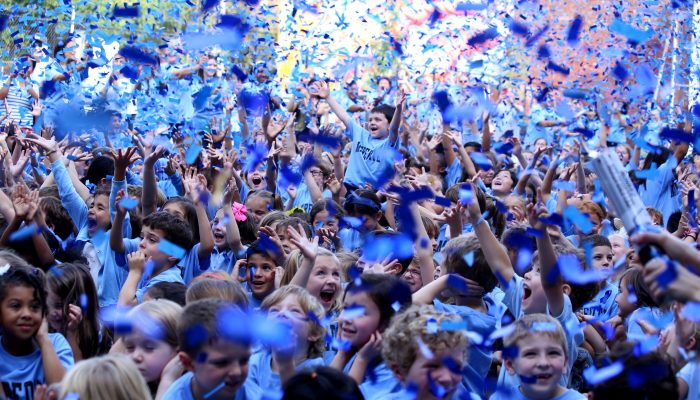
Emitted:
<point x="568" y="320"/>
<point x="171" y="274"/>
<point x="516" y="394"/>
<point x="20" y="374"/>
<point x="261" y="374"/>
<point x="479" y="361"/>
<point x="603" y="305"/>
<point x="222" y="260"/>
<point x="657" y="192"/>
<point x="657" y="317"/>
<point x="690" y="374"/>
<point x="192" y="266"/>
<point x="369" y="157"/>
<point x="454" y="173"/>
<point x="379" y="382"/>
<point x="181" y="389"/>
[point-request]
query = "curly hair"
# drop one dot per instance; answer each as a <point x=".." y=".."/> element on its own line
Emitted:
<point x="400" y="340"/>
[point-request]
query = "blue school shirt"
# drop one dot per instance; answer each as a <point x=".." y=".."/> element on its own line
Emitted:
<point x="261" y="374"/>
<point x="657" y="317"/>
<point x="479" y="360"/>
<point x="690" y="374"/>
<point x="181" y="389"/>
<point x="454" y="173"/>
<point x="222" y="260"/>
<point x="516" y="394"/>
<point x="303" y="198"/>
<point x="369" y="157"/>
<point x="20" y="374"/>
<point x="171" y="274"/>
<point x="378" y="383"/>
<point x="192" y="266"/>
<point x="568" y="320"/>
<point x="658" y="191"/>
<point x="603" y="305"/>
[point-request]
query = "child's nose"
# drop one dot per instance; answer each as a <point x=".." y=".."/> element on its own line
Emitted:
<point x="445" y="377"/>
<point x="235" y="370"/>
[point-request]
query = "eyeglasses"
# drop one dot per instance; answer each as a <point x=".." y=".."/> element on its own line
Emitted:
<point x="316" y="173"/>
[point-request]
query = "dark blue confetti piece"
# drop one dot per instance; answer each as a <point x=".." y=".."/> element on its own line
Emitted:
<point x="574" y="30"/>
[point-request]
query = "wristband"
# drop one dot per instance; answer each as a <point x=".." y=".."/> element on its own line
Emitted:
<point x="50" y="152"/>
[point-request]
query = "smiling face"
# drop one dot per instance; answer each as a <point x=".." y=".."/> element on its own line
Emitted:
<point x="624" y="305"/>
<point x="618" y="246"/>
<point x="322" y="219"/>
<point x="542" y="358"/>
<point x="262" y="277"/>
<point x="150" y="240"/>
<point x="502" y="183"/>
<point x="54" y="314"/>
<point x="412" y="277"/>
<point x="324" y="281"/>
<point x="358" y="329"/>
<point x="150" y="355"/>
<point x="218" y="229"/>
<point x="98" y="214"/>
<point x="226" y="363"/>
<point x="534" y="300"/>
<point x="290" y="313"/>
<point x="378" y="125"/>
<point x="21" y="313"/>
<point x="256" y="178"/>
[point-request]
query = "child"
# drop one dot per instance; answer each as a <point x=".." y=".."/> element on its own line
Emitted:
<point x="321" y="383"/>
<point x="417" y="355"/>
<point x="293" y="306"/>
<point x="603" y="305"/>
<point x="222" y="289"/>
<point x="217" y="363"/>
<point x="635" y="303"/>
<point x="73" y="308"/>
<point x="152" y="342"/>
<point x="260" y="203"/>
<point x="368" y="161"/>
<point x="112" y="377"/>
<point x="262" y="264"/>
<point x="227" y="238"/>
<point x="368" y="306"/>
<point x="476" y="307"/>
<point x="365" y="206"/>
<point x="537" y="352"/>
<point x="29" y="354"/>
<point x="162" y="258"/>
<point x="325" y="217"/>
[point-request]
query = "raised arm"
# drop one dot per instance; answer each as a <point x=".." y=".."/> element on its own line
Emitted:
<point x="494" y="252"/>
<point x="320" y="89"/>
<point x="149" y="194"/>
<point x="116" y="237"/>
<point x="396" y="119"/>
<point x="551" y="283"/>
<point x="309" y="249"/>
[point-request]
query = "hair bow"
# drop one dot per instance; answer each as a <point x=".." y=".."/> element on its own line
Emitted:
<point x="239" y="212"/>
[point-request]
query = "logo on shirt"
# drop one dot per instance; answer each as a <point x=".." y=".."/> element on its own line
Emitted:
<point x="367" y="153"/>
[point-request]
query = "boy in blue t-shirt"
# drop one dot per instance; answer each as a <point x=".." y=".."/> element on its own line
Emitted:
<point x="163" y="237"/>
<point x="603" y="305"/>
<point x="371" y="148"/>
<point x="214" y="342"/>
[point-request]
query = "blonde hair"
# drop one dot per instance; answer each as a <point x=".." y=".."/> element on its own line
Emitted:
<point x="157" y="319"/>
<point x="311" y="307"/>
<point x="536" y="324"/>
<point x="338" y="303"/>
<point x="220" y="275"/>
<point x="223" y="289"/>
<point x="109" y="377"/>
<point x="291" y="266"/>
<point x="347" y="259"/>
<point x="400" y="339"/>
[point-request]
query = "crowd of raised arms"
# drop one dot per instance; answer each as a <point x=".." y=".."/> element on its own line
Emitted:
<point x="174" y="227"/>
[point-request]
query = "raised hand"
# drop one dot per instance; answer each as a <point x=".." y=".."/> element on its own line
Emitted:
<point x="309" y="248"/>
<point x="18" y="168"/>
<point x="320" y="89"/>
<point x="21" y="202"/>
<point x="37" y="108"/>
<point x="137" y="261"/>
<point x="74" y="317"/>
<point x="124" y="158"/>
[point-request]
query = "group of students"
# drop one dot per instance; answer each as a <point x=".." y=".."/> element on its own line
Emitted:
<point x="342" y="251"/>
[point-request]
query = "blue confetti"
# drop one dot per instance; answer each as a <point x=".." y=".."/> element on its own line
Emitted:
<point x="572" y="271"/>
<point x="125" y="12"/>
<point x="351" y="312"/>
<point x="633" y="35"/>
<point x="596" y="376"/>
<point x="575" y="216"/>
<point x="192" y="154"/>
<point x="481" y="37"/>
<point x="132" y="53"/>
<point x="574" y="30"/>
<point x="171" y="249"/>
<point x="481" y="160"/>
<point x="24" y="233"/>
<point x="128" y="203"/>
<point x="380" y="247"/>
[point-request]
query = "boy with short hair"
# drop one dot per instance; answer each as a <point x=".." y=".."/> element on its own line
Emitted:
<point x="157" y="227"/>
<point x="465" y="270"/>
<point x="369" y="156"/>
<point x="215" y="357"/>
<point x="537" y="352"/>
<point x="264" y="260"/>
<point x="603" y="305"/>
<point x="417" y="354"/>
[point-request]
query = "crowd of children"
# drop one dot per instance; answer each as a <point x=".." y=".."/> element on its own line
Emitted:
<point x="319" y="245"/>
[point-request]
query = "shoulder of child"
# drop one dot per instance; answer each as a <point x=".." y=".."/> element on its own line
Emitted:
<point x="180" y="389"/>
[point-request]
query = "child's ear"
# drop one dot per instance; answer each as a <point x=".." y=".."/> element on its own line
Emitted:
<point x="395" y="269"/>
<point x="690" y="344"/>
<point x="173" y="260"/>
<point x="567" y="289"/>
<point x="508" y="363"/>
<point x="104" y="181"/>
<point x="186" y="361"/>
